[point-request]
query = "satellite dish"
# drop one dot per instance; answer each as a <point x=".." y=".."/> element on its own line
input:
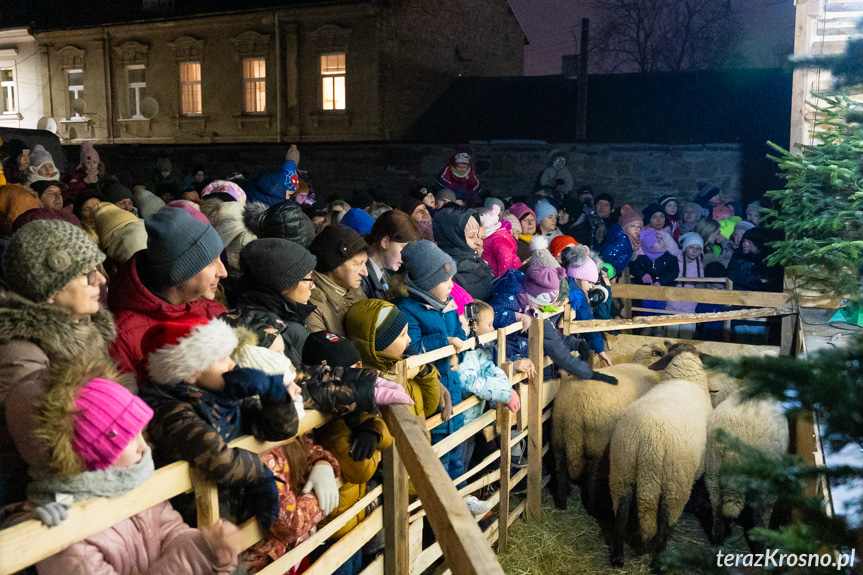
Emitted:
<point x="47" y="123"/>
<point x="79" y="107"/>
<point x="149" y="107"/>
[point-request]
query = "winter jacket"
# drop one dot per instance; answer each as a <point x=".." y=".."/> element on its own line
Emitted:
<point x="271" y="315"/>
<point x="336" y="437"/>
<point x="227" y="220"/>
<point x="472" y="272"/>
<point x="136" y="309"/>
<point x="423" y="389"/>
<point x="270" y="188"/>
<point x="429" y="330"/>
<point x="466" y="189"/>
<point x="480" y="376"/>
<point x="583" y="312"/>
<point x="663" y="269"/>
<point x="373" y="287"/>
<point x="694" y="269"/>
<point x="506" y="305"/>
<point x="153" y="542"/>
<point x="330" y="306"/>
<point x="32" y="338"/>
<point x="748" y="272"/>
<point x="284" y="220"/>
<point x="550" y="176"/>
<point x="500" y="251"/>
<point x="196" y="424"/>
<point x="617" y="249"/>
<point x="523" y="248"/>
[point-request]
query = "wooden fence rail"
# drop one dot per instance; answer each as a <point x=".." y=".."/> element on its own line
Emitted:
<point x="412" y="461"/>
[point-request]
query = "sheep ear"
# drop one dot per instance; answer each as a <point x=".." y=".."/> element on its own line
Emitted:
<point x="661" y="364"/>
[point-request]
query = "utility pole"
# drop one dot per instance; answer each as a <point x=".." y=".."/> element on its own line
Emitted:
<point x="581" y="101"/>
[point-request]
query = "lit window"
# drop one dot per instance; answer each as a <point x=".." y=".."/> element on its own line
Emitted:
<point x="76" y="92"/>
<point x="135" y="75"/>
<point x="255" y="85"/>
<point x="8" y="101"/>
<point x="333" y="72"/>
<point x="190" y="88"/>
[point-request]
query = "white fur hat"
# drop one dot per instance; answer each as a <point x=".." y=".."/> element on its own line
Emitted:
<point x="176" y="350"/>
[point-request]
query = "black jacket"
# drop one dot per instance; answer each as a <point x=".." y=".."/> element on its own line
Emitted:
<point x="473" y="273"/>
<point x="371" y="286"/>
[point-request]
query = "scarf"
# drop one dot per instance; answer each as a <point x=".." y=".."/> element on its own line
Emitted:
<point x="423" y="296"/>
<point x="111" y="482"/>
<point x="328" y="285"/>
<point x="214" y="408"/>
<point x="652" y="254"/>
<point x="525" y="238"/>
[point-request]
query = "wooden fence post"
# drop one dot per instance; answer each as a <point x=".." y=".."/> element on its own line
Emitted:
<point x="396" y="541"/>
<point x="504" y="419"/>
<point x="789" y="333"/>
<point x="534" y="410"/>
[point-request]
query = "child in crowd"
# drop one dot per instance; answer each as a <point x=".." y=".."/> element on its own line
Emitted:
<point x="582" y="274"/>
<point x="524" y="296"/>
<point x="668" y="203"/>
<point x="654" y="265"/>
<point x="424" y="299"/>
<point x="499" y="249"/>
<point x="623" y="240"/>
<point x="654" y="218"/>
<point x="546" y="217"/>
<point x="93" y="429"/>
<point x="691" y="265"/>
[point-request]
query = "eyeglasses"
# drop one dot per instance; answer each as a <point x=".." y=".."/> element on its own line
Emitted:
<point x="93" y="277"/>
<point x="312" y="280"/>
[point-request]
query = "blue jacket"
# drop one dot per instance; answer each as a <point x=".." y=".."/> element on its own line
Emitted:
<point x="617" y="249"/>
<point x="429" y="330"/>
<point x="270" y="188"/>
<point x="578" y="300"/>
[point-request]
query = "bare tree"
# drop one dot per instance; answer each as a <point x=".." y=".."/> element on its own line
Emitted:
<point x="664" y="35"/>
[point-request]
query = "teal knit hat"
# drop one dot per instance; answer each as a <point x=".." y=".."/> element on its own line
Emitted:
<point x="178" y="247"/>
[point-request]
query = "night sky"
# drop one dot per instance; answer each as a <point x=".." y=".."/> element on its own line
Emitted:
<point x="768" y="31"/>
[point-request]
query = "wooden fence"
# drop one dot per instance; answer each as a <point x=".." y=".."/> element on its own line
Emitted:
<point x="413" y="461"/>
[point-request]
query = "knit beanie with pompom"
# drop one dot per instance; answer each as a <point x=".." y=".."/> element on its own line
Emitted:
<point x="542" y="279"/>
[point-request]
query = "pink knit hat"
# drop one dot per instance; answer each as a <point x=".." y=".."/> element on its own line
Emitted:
<point x="88" y="152"/>
<point x="189" y="207"/>
<point x="586" y="271"/>
<point x="520" y="210"/>
<point x="460" y="297"/>
<point x="542" y="279"/>
<point x="107" y="419"/>
<point x="628" y="216"/>
<point x="226" y="187"/>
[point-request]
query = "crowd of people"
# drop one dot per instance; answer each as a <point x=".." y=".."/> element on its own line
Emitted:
<point x="155" y="324"/>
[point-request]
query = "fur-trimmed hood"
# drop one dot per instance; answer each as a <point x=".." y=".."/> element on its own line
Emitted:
<point x="51" y="330"/>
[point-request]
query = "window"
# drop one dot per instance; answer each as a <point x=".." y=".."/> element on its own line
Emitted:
<point x="190" y="88"/>
<point x="333" y="72"/>
<point x="255" y="85"/>
<point x="8" y="100"/>
<point x="135" y="75"/>
<point x="76" y="92"/>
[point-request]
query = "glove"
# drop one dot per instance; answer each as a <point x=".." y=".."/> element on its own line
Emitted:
<point x="322" y="480"/>
<point x="388" y="392"/>
<point x="52" y="513"/>
<point x="647" y="279"/>
<point x="603" y="378"/>
<point x="243" y="382"/>
<point x="363" y="445"/>
<point x="262" y="500"/>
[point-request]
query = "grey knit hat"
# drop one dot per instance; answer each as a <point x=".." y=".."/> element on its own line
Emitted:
<point x="44" y="255"/>
<point x="426" y="264"/>
<point x="178" y="247"/>
<point x="275" y="263"/>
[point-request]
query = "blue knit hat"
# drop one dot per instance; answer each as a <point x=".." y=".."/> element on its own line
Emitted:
<point x="426" y="264"/>
<point x="543" y="209"/>
<point x="358" y="220"/>
<point x="178" y="247"/>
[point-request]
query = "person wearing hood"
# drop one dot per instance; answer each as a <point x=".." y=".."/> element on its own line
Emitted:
<point x="225" y="187"/>
<point x="165" y="180"/>
<point x="499" y="248"/>
<point x="49" y="314"/>
<point x="42" y="166"/>
<point x="389" y="235"/>
<point x="556" y="176"/>
<point x="458" y="232"/>
<point x="177" y="275"/>
<point x="276" y="187"/>
<point x="460" y="177"/>
<point x="92" y="430"/>
<point x="623" y="240"/>
<point x="274" y="291"/>
<point x="341" y="265"/>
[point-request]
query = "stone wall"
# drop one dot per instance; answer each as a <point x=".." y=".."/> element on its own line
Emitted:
<point x="633" y="173"/>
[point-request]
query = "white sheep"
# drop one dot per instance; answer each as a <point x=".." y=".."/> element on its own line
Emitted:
<point x="585" y="413"/>
<point x="657" y="452"/>
<point x="757" y="423"/>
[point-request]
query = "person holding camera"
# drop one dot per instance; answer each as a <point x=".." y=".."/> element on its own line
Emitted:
<point x="585" y="290"/>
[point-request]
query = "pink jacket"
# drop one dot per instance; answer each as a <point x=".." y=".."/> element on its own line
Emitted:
<point x="153" y="542"/>
<point x="499" y="250"/>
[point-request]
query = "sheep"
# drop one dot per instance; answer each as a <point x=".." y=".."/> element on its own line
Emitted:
<point x="760" y="424"/>
<point x="585" y="413"/>
<point x="657" y="452"/>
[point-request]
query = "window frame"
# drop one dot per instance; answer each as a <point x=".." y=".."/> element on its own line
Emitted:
<point x="75" y="89"/>
<point x="331" y="76"/>
<point x="198" y="83"/>
<point x="138" y="87"/>
<point x="12" y="86"/>
<point x="255" y="81"/>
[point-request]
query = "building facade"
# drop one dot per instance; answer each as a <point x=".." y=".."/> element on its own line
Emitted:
<point x="20" y="80"/>
<point x="317" y="71"/>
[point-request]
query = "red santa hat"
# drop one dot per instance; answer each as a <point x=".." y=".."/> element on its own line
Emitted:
<point x="176" y="350"/>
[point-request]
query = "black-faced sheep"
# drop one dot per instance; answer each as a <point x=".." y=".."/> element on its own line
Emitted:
<point x="760" y="424"/>
<point x="657" y="452"/>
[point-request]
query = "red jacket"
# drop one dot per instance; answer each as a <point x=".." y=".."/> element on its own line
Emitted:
<point x="136" y="309"/>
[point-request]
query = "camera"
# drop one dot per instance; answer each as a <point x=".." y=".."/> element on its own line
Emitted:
<point x="597" y="295"/>
<point x="471" y="312"/>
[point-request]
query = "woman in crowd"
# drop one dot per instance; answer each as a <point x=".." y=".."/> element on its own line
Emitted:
<point x="527" y="222"/>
